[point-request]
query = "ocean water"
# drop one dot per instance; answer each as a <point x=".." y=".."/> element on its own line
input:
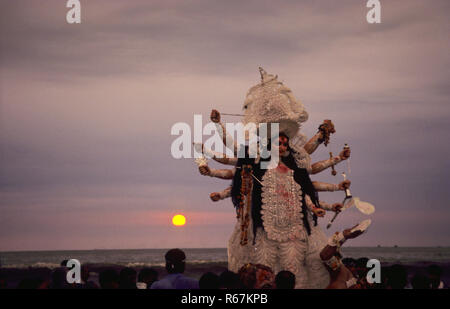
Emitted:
<point x="155" y="257"/>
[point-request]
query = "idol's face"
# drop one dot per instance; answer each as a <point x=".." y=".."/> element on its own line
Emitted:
<point x="283" y="144"/>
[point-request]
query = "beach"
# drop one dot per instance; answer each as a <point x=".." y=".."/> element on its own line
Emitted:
<point x="17" y="266"/>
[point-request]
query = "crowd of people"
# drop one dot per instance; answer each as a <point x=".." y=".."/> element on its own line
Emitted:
<point x="250" y="276"/>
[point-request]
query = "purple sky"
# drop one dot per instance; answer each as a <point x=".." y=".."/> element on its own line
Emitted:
<point x="86" y="112"/>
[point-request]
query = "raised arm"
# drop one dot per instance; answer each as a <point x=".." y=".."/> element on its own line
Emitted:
<point x="322" y="136"/>
<point x="322" y="165"/>
<point x="227" y="139"/>
<point x="330" y="255"/>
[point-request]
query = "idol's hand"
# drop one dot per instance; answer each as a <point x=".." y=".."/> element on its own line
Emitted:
<point x="336" y="207"/>
<point x="345" y="154"/>
<point x="344" y="185"/>
<point x="215" y="116"/>
<point x="318" y="211"/>
<point x="348" y="234"/>
<point x="215" y="196"/>
<point x="204" y="170"/>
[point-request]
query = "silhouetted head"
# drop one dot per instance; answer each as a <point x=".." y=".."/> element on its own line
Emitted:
<point x="285" y="280"/>
<point x="361" y="267"/>
<point x="109" y="279"/>
<point x="397" y="277"/>
<point x="229" y="280"/>
<point x="420" y="281"/>
<point x="64" y="263"/>
<point x="59" y="278"/>
<point x="209" y="280"/>
<point x="175" y="261"/>
<point x="127" y="278"/>
<point x="84" y="273"/>
<point x="434" y="275"/>
<point x="148" y="275"/>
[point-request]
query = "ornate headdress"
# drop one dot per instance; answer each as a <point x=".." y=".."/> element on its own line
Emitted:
<point x="272" y="102"/>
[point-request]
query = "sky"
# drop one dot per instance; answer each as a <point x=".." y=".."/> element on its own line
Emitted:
<point x="86" y="112"/>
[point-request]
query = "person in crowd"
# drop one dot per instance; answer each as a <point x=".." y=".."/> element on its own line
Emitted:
<point x="175" y="266"/>
<point x="64" y="263"/>
<point x="256" y="276"/>
<point x="109" y="279"/>
<point x="397" y="277"/>
<point x="3" y="282"/>
<point x="229" y="280"/>
<point x="146" y="277"/>
<point x="209" y="280"/>
<point x="127" y="279"/>
<point x="59" y="279"/>
<point x="285" y="280"/>
<point x="420" y="281"/>
<point x="434" y="275"/>
<point x="350" y="263"/>
<point x="85" y="282"/>
<point x="31" y="283"/>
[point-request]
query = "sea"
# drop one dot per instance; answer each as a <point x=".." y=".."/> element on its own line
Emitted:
<point x="207" y="256"/>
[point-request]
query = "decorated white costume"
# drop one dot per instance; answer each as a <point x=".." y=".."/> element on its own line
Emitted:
<point x="282" y="242"/>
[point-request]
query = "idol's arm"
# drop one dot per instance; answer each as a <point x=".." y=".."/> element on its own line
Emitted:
<point x="324" y="186"/>
<point x="217" y="196"/>
<point x="227" y="139"/>
<point x="320" y="211"/>
<point x="313" y="208"/>
<point x="330" y="207"/>
<point x="321" y="165"/>
<point x="329" y="252"/>
<point x="219" y="157"/>
<point x="313" y="143"/>
<point x="221" y="173"/>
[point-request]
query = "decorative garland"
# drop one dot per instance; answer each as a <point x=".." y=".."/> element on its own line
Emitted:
<point x="245" y="201"/>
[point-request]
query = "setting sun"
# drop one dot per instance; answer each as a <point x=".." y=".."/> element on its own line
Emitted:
<point x="178" y="220"/>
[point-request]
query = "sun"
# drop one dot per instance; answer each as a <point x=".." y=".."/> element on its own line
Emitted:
<point x="179" y="220"/>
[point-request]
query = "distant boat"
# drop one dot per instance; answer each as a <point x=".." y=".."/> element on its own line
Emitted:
<point x="395" y="246"/>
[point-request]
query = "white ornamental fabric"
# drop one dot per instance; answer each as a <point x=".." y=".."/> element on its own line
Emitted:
<point x="272" y="102"/>
<point x="281" y="208"/>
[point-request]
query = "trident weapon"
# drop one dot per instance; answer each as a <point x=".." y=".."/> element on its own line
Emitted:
<point x="345" y="202"/>
<point x="350" y="201"/>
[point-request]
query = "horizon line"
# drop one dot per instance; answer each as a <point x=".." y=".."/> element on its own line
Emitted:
<point x="199" y="248"/>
